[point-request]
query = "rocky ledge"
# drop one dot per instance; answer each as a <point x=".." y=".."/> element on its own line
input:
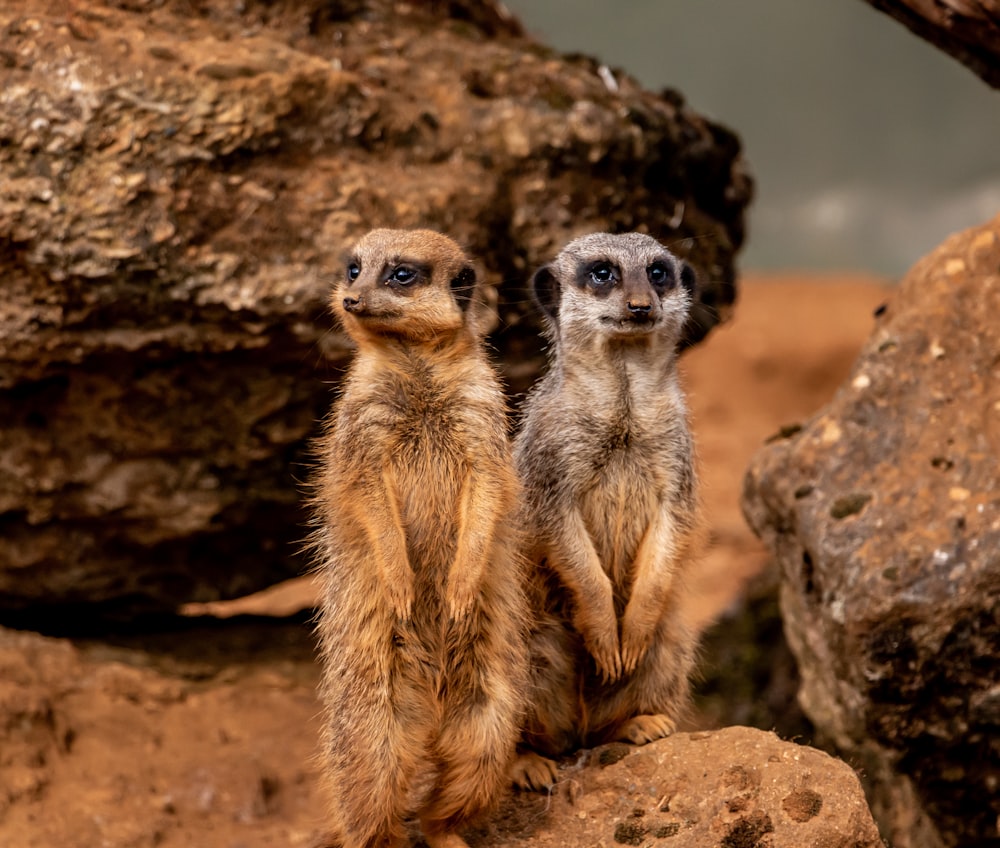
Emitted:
<point x="884" y="513"/>
<point x="116" y="745"/>
<point x="179" y="183"/>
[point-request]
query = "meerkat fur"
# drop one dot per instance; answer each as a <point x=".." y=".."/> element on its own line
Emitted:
<point x="421" y="626"/>
<point x="607" y="462"/>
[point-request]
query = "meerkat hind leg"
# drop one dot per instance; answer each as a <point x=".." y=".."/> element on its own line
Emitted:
<point x="641" y="729"/>
<point x="533" y="771"/>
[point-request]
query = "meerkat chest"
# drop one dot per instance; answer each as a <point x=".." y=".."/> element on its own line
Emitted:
<point x="620" y="439"/>
<point x="627" y="441"/>
<point x="622" y="491"/>
<point x="427" y="437"/>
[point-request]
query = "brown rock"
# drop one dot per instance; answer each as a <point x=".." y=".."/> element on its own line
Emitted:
<point x="179" y="181"/>
<point x="207" y="737"/>
<point x="884" y="513"/>
<point x="969" y="30"/>
<point x="737" y="788"/>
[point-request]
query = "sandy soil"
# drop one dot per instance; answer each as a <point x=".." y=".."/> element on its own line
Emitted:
<point x="204" y="735"/>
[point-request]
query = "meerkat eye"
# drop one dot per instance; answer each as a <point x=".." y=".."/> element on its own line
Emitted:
<point x="660" y="275"/>
<point x="353" y="271"/>
<point x="602" y="273"/>
<point x="403" y="275"/>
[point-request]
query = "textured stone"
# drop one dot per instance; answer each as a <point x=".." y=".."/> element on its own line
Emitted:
<point x="737" y="788"/>
<point x="884" y="513"/>
<point x="969" y="30"/>
<point x="207" y="737"/>
<point x="179" y="181"/>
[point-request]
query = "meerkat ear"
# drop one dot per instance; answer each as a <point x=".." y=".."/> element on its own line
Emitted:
<point x="689" y="277"/>
<point x="545" y="286"/>
<point x="462" y="285"/>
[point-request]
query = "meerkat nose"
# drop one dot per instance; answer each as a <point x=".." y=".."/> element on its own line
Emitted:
<point x="352" y="304"/>
<point x="640" y="309"/>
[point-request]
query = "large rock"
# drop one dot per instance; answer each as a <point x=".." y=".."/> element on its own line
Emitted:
<point x="208" y="738"/>
<point x="967" y="29"/>
<point x="884" y="512"/>
<point x="178" y="182"/>
<point x="736" y="788"/>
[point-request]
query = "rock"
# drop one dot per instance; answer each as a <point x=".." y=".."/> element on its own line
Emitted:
<point x="968" y="30"/>
<point x="737" y="788"/>
<point x="160" y="742"/>
<point x="884" y="513"/>
<point x="179" y="184"/>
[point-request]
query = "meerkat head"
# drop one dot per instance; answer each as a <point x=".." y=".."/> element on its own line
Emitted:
<point x="412" y="284"/>
<point x="615" y="286"/>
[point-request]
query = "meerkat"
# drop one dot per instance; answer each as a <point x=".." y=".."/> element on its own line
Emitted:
<point x="606" y="459"/>
<point x="421" y="626"/>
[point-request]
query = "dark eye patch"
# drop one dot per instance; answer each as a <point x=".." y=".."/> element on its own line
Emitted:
<point x="661" y="275"/>
<point x="403" y="275"/>
<point x="603" y="274"/>
<point x="600" y="277"/>
<point x="353" y="271"/>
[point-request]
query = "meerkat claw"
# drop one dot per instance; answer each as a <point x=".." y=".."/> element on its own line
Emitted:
<point x="642" y="729"/>
<point x="532" y="771"/>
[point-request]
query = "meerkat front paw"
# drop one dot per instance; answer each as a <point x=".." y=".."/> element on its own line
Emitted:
<point x="637" y="636"/>
<point x="602" y="645"/>
<point x="594" y="619"/>
<point x="532" y="771"/>
<point x="460" y="593"/>
<point x="641" y="729"/>
<point x="400" y="593"/>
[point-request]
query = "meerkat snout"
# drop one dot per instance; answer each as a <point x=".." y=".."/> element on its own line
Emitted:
<point x="353" y="304"/>
<point x="639" y="310"/>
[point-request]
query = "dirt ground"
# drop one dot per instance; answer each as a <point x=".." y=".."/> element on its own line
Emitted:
<point x="205" y="735"/>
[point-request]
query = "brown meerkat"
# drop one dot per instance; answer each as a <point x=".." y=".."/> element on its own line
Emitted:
<point x="606" y="459"/>
<point x="421" y="624"/>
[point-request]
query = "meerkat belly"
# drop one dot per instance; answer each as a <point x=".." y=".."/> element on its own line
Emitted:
<point x="617" y="509"/>
<point x="430" y="479"/>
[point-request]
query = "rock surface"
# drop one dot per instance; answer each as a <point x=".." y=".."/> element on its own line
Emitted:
<point x="737" y="788"/>
<point x="117" y="746"/>
<point x="884" y="513"/>
<point x="177" y="184"/>
<point x="969" y="30"/>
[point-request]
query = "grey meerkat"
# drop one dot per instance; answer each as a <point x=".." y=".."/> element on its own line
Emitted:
<point x="607" y="462"/>
<point x="422" y="619"/>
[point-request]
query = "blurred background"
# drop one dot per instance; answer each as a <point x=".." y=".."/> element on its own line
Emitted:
<point x="869" y="146"/>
